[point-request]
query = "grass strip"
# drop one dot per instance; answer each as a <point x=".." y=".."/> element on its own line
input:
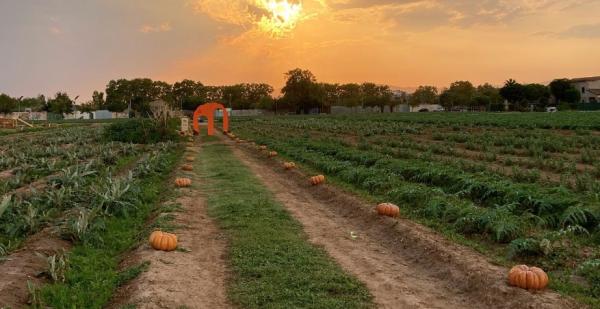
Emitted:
<point x="93" y="273"/>
<point x="274" y="265"/>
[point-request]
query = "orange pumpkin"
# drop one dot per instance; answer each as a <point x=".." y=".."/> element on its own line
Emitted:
<point x="530" y="278"/>
<point x="163" y="241"/>
<point x="272" y="154"/>
<point x="190" y="159"/>
<point x="388" y="209"/>
<point x="289" y="165"/>
<point x="187" y="167"/>
<point x="262" y="147"/>
<point x="183" y="182"/>
<point x="317" y="180"/>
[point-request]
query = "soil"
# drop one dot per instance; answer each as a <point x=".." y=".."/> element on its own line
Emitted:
<point x="6" y="174"/>
<point x="403" y="264"/>
<point x="194" y="276"/>
<point x="25" y="265"/>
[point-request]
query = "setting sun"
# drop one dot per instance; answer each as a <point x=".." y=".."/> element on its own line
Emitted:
<point x="282" y="16"/>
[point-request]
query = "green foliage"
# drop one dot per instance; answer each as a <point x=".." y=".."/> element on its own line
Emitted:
<point x="7" y="104"/>
<point x="61" y="104"/>
<point x="141" y="131"/>
<point x="524" y="247"/>
<point x="591" y="271"/>
<point x="93" y="275"/>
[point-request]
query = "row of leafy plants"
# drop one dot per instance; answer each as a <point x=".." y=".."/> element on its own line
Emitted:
<point x="528" y="222"/>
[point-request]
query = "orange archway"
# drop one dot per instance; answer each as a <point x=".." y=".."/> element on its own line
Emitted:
<point x="208" y="110"/>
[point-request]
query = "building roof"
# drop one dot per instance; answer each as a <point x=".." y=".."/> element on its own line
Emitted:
<point x="585" y="79"/>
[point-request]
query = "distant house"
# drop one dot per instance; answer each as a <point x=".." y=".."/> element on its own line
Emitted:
<point x="589" y="87"/>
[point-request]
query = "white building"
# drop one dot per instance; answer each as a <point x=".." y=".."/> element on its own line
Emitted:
<point x="589" y="88"/>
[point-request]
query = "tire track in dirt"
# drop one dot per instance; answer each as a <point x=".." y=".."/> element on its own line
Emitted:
<point x="403" y="264"/>
<point x="193" y="276"/>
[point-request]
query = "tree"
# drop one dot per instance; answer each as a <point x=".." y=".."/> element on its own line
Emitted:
<point x="489" y="96"/>
<point x="564" y="91"/>
<point x="350" y="95"/>
<point x="60" y="104"/>
<point x="188" y="91"/>
<point x="513" y="92"/>
<point x="301" y="91"/>
<point x="257" y="94"/>
<point x="537" y="94"/>
<point x="138" y="93"/>
<point x="460" y="93"/>
<point x="98" y="101"/>
<point x="385" y="97"/>
<point x="118" y="95"/>
<point x="330" y="95"/>
<point x="423" y="95"/>
<point x="87" y="107"/>
<point x="7" y="104"/>
<point x="35" y="104"/>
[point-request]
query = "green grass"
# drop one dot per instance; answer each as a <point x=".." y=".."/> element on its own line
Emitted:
<point x="273" y="264"/>
<point x="93" y="273"/>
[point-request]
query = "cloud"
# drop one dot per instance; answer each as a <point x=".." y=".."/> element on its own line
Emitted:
<point x="585" y="31"/>
<point x="163" y="27"/>
<point x="427" y="14"/>
<point x="276" y="18"/>
<point x="55" y="30"/>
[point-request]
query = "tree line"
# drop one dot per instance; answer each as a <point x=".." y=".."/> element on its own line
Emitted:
<point x="59" y="104"/>
<point x="512" y="96"/>
<point x="302" y="93"/>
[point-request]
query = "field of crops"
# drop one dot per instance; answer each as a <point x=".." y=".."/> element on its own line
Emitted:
<point x="517" y="187"/>
<point x="64" y="187"/>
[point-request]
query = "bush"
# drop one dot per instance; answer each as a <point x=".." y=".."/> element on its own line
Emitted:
<point x="141" y="131"/>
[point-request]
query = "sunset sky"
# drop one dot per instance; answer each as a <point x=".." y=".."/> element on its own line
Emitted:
<point x="78" y="46"/>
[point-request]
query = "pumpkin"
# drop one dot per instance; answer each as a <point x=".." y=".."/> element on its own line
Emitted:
<point x="530" y="278"/>
<point x="187" y="167"/>
<point x="262" y="147"/>
<point x="289" y="165"/>
<point x="190" y="159"/>
<point x="317" y="180"/>
<point x="183" y="182"/>
<point x="163" y="241"/>
<point x="388" y="209"/>
<point x="272" y="154"/>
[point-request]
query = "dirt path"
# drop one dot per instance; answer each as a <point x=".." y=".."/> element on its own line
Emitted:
<point x="193" y="276"/>
<point x="403" y="264"/>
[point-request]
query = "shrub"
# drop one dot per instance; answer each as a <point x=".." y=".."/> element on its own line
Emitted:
<point x="141" y="131"/>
